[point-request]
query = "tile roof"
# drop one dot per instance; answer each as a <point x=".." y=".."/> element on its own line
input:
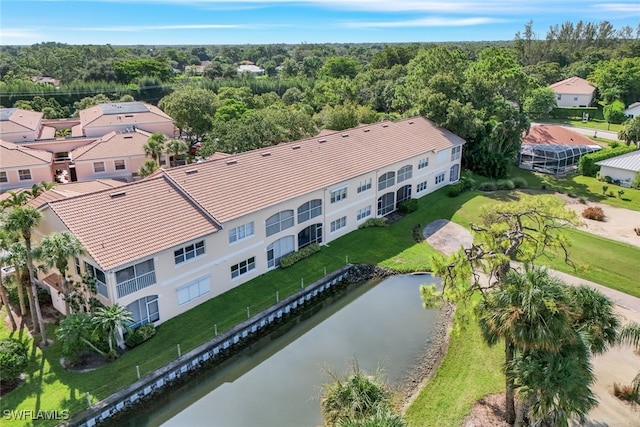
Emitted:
<point x="71" y="189"/>
<point x="17" y="120"/>
<point x="112" y="145"/>
<point x="629" y="161"/>
<point x="274" y="174"/>
<point x="551" y="134"/>
<point x="127" y="223"/>
<point x="13" y="156"/>
<point x="96" y="116"/>
<point x="574" y="86"/>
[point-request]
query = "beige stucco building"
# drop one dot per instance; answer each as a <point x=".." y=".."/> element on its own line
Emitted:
<point x="162" y="245"/>
<point x="22" y="167"/>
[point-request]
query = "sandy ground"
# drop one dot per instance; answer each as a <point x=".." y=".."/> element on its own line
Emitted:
<point x="619" y="364"/>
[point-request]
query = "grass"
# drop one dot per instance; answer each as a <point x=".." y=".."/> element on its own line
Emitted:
<point x="469" y="371"/>
<point x="596" y="124"/>
<point x="49" y="386"/>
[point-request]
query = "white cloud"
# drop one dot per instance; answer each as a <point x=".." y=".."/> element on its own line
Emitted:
<point x="8" y="34"/>
<point x="138" y="28"/>
<point x="425" y="22"/>
<point x="620" y="7"/>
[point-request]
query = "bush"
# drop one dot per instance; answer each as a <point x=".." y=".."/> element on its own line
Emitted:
<point x="307" y="251"/>
<point x="488" y="186"/>
<point x="593" y="212"/>
<point x="374" y="222"/>
<point x="576" y="113"/>
<point x="14" y="358"/>
<point x="608" y="179"/>
<point x="625" y="392"/>
<point x="468" y="181"/>
<point x="455" y="190"/>
<point x="604" y="189"/>
<point x="614" y="144"/>
<point x="587" y="165"/>
<point x="140" y="335"/>
<point x="408" y="206"/>
<point x="519" y="182"/>
<point x="505" y="184"/>
<point x="636" y="181"/>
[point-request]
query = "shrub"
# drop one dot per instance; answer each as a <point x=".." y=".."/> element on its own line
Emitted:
<point x="505" y="184"/>
<point x="620" y="193"/>
<point x="468" y="181"/>
<point x="636" y="181"/>
<point x="408" y="206"/>
<point x="604" y="189"/>
<point x="455" y="190"/>
<point x="519" y="182"/>
<point x="593" y="212"/>
<point x="614" y="144"/>
<point x="625" y="392"/>
<point x="587" y="165"/>
<point x="610" y="194"/>
<point x="374" y="222"/>
<point x="140" y="335"/>
<point x="608" y="179"/>
<point x="488" y="186"/>
<point x="14" y="357"/>
<point x="307" y="251"/>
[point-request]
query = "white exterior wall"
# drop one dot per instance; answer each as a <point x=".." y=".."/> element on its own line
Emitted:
<point x="632" y="112"/>
<point x="573" y="100"/>
<point x="618" y="174"/>
<point x="39" y="173"/>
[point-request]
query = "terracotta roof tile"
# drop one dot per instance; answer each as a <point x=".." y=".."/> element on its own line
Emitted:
<point x="13" y="156"/>
<point x="543" y="134"/>
<point x="247" y="182"/>
<point x="573" y="86"/>
<point x="19" y="120"/>
<point x="96" y="116"/>
<point x="113" y="145"/>
<point x="120" y="225"/>
<point x="72" y="189"/>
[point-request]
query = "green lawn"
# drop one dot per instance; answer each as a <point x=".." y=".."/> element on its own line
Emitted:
<point x="49" y="386"/>
<point x="595" y="124"/>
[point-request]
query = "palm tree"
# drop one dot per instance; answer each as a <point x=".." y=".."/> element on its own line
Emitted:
<point x="596" y="318"/>
<point x="529" y="311"/>
<point x="24" y="219"/>
<point x="4" y="296"/>
<point x="55" y="250"/>
<point x="630" y="335"/>
<point x="149" y="167"/>
<point x="178" y="149"/>
<point x="76" y="333"/>
<point x="15" y="200"/>
<point x="38" y="189"/>
<point x="111" y="321"/>
<point x="155" y="146"/>
<point x="16" y="256"/>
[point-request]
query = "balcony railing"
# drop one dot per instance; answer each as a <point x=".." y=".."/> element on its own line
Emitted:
<point x="102" y="289"/>
<point x="133" y="285"/>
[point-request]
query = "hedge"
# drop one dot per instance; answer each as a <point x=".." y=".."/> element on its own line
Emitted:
<point x="576" y="113"/>
<point x="587" y="165"/>
<point x="289" y="260"/>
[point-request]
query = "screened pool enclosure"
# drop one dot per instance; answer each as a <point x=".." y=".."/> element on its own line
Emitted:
<point x="553" y="159"/>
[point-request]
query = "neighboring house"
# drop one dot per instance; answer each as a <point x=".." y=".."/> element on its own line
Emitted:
<point x="115" y="155"/>
<point x="17" y="125"/>
<point x="622" y="169"/>
<point x="573" y="92"/>
<point x="122" y="116"/>
<point x="22" y="167"/>
<point x="555" y="150"/>
<point x="197" y="70"/>
<point x="163" y="245"/>
<point x="250" y="69"/>
<point x="632" y="110"/>
<point x="45" y="80"/>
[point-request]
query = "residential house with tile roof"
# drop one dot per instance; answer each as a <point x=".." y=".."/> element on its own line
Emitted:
<point x="125" y="116"/>
<point x="22" y="167"/>
<point x="164" y="244"/>
<point x="573" y="92"/>
<point x="17" y="125"/>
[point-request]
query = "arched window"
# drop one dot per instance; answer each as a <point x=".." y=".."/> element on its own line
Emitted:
<point x="405" y="172"/>
<point x="386" y="204"/>
<point x="454" y="173"/>
<point x="311" y="234"/>
<point x="278" y="222"/>
<point x="278" y="249"/>
<point x="386" y="180"/>
<point x="308" y="210"/>
<point x="403" y="194"/>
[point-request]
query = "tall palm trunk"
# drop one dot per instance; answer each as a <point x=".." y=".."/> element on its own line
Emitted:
<point x="5" y="300"/>
<point x="24" y="281"/>
<point x="34" y="290"/>
<point x="19" y="284"/>
<point x="510" y="415"/>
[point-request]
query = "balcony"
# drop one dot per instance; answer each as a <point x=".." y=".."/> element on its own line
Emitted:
<point x="137" y="283"/>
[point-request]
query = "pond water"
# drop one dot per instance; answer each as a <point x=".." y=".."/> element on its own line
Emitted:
<point x="279" y="383"/>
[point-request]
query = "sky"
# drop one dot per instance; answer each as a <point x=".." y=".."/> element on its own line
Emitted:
<point x="208" y="22"/>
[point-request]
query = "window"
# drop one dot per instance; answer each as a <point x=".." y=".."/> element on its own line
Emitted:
<point x="135" y="278"/>
<point x="311" y="234"/>
<point x="364" y="212"/>
<point x="439" y="178"/>
<point x="403" y="194"/>
<point x="278" y="249"/>
<point x="455" y="152"/>
<point x="3" y="177"/>
<point x="423" y="163"/>
<point x="243" y="267"/>
<point x="119" y="165"/>
<point x="454" y="173"/>
<point x="386" y="204"/>
<point x="144" y="310"/>
<point x="24" y="174"/>
<point x="99" y="278"/>
<point x="188" y="252"/>
<point x="421" y="187"/>
<point x="339" y="194"/>
<point x="98" y="167"/>
<point x="386" y="180"/>
<point x="575" y="98"/>
<point x="310" y="209"/>
<point x="559" y="97"/>
<point x="278" y="222"/>
<point x="76" y="261"/>
<point x="338" y="224"/>
<point x="405" y="172"/>
<point x="241" y="232"/>
<point x="364" y="185"/>
<point x="193" y="290"/>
